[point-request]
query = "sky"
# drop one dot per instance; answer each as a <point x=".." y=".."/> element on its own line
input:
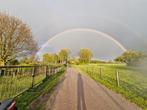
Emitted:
<point x="125" y="20"/>
<point x="95" y="40"/>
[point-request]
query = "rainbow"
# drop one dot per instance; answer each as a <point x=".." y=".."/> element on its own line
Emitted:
<point x="83" y="29"/>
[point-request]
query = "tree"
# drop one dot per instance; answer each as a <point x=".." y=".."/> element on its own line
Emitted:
<point x="85" y="55"/>
<point x="29" y="60"/>
<point x="24" y="60"/>
<point x="47" y="58"/>
<point x="131" y="57"/>
<point x="55" y="58"/>
<point x="15" y="39"/>
<point x="50" y="58"/>
<point x="14" y="62"/>
<point x="64" y="55"/>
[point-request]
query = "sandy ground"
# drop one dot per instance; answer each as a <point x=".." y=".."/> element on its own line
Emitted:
<point x="79" y="92"/>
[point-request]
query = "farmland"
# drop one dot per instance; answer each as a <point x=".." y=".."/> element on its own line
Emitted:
<point x="132" y="82"/>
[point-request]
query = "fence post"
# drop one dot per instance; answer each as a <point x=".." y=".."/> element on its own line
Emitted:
<point x="46" y="71"/>
<point x="117" y="78"/>
<point x="33" y="75"/>
<point x="100" y="72"/>
<point x="93" y="71"/>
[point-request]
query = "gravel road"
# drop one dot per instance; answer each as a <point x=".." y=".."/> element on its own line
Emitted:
<point x="79" y="92"/>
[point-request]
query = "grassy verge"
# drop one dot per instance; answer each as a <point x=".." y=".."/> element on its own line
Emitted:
<point x="133" y="83"/>
<point x="27" y="97"/>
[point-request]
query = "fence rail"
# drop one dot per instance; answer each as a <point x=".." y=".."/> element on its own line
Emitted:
<point x="17" y="79"/>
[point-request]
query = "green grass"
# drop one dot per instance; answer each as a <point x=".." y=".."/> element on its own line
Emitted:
<point x="27" y="97"/>
<point x="11" y="86"/>
<point x="133" y="83"/>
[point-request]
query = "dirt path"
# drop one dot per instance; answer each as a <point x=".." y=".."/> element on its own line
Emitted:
<point x="79" y="92"/>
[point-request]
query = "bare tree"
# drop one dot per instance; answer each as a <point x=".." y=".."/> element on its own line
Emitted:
<point x="15" y="39"/>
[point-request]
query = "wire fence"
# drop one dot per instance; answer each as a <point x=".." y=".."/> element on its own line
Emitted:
<point x="14" y="80"/>
<point x="131" y="83"/>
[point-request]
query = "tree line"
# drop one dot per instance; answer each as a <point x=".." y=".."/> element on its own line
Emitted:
<point x="63" y="56"/>
<point x="131" y="57"/>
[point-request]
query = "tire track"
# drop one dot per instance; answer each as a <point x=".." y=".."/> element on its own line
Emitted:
<point x="80" y="91"/>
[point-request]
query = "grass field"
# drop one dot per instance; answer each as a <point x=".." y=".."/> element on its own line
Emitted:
<point x="133" y="83"/>
<point x="11" y="86"/>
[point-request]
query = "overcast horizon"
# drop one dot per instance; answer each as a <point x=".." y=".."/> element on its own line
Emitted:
<point x="124" y="20"/>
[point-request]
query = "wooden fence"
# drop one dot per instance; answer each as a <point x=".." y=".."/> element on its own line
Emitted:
<point x="16" y="79"/>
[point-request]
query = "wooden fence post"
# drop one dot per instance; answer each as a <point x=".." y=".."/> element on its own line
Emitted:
<point x="46" y="71"/>
<point x="50" y="71"/>
<point x="92" y="71"/>
<point x="100" y="72"/>
<point x="117" y="78"/>
<point x="33" y="75"/>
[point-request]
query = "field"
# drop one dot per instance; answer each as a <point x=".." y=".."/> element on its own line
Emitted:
<point x="128" y="81"/>
<point x="12" y="86"/>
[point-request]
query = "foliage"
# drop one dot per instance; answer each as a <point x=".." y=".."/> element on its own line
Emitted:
<point x="60" y="57"/>
<point x="131" y="57"/>
<point x="50" y="58"/>
<point x="64" y="54"/>
<point x="15" y="39"/>
<point x="85" y="55"/>
<point x="14" y="62"/>
<point x="1" y="62"/>
<point x="29" y="60"/>
<point x="74" y="61"/>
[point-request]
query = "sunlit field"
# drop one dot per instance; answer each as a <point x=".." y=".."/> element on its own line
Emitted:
<point x="132" y="82"/>
<point x="11" y="86"/>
